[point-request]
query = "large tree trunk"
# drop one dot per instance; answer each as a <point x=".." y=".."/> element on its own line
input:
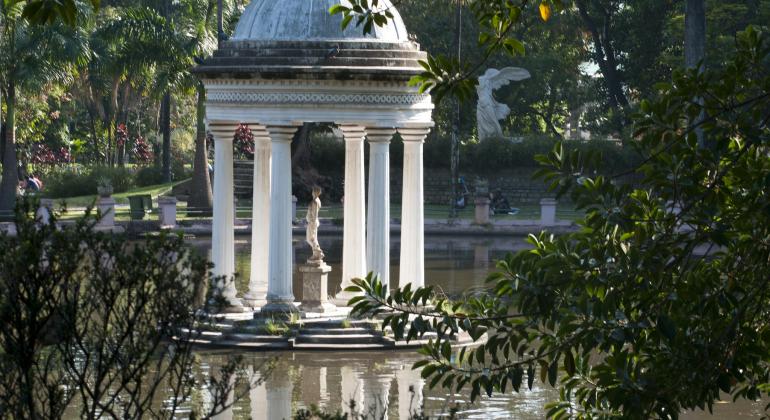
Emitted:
<point x="695" y="49"/>
<point x="694" y="33"/>
<point x="10" y="181"/>
<point x="166" y="131"/>
<point x="200" y="190"/>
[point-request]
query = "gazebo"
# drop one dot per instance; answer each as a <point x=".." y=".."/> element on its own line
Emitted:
<point x="288" y="63"/>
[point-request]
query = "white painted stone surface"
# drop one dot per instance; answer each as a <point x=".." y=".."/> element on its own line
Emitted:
<point x="167" y="211"/>
<point x="412" y="268"/>
<point x="44" y="212"/>
<point x="315" y="286"/>
<point x="489" y="112"/>
<point x="223" y="225"/>
<point x="281" y="251"/>
<point x="260" y="222"/>
<point x="354" y="237"/>
<point x="106" y="208"/>
<point x="293" y="20"/>
<point x="548" y="212"/>
<point x="378" y="221"/>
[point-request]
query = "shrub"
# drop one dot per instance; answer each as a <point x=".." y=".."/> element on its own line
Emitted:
<point x="73" y="183"/>
<point x="95" y="319"/>
<point x="148" y="175"/>
<point x="327" y="153"/>
<point x="494" y="155"/>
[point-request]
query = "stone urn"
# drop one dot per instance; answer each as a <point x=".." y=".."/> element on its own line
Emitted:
<point x="104" y="188"/>
<point x="104" y="192"/>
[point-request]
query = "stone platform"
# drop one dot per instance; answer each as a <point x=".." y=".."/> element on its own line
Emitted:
<point x="313" y="332"/>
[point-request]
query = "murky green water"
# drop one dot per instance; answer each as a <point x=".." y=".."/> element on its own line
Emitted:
<point x="382" y="382"/>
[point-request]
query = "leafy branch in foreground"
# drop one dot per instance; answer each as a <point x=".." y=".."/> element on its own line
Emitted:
<point x="447" y="76"/>
<point x="660" y="302"/>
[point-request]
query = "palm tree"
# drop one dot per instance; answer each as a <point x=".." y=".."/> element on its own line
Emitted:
<point x="35" y="56"/>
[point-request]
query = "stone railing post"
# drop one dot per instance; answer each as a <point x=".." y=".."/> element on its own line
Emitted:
<point x="548" y="212"/>
<point x="43" y="213"/>
<point x="482" y="210"/>
<point x="167" y="211"/>
<point x="106" y="207"/>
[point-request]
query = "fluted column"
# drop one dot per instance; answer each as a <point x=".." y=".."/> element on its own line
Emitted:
<point x="354" y="239"/>
<point x="222" y="234"/>
<point x="260" y="220"/>
<point x="413" y="209"/>
<point x="378" y="223"/>
<point x="280" y="296"/>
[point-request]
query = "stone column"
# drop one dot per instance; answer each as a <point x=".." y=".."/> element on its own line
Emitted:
<point x="222" y="233"/>
<point x="354" y="240"/>
<point x="378" y="227"/>
<point x="260" y="220"/>
<point x="280" y="296"/>
<point x="413" y="209"/>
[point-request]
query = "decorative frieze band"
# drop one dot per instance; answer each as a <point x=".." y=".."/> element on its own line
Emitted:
<point x="314" y="98"/>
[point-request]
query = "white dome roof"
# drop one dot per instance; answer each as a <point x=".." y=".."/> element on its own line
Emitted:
<point x="309" y="20"/>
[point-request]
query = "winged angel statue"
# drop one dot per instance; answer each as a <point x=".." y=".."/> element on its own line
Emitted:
<point x="489" y="111"/>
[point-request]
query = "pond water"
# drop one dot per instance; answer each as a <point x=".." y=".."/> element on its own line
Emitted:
<point x="383" y="383"/>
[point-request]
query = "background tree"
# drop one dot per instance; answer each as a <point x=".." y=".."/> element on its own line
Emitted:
<point x="34" y="57"/>
<point x="659" y="303"/>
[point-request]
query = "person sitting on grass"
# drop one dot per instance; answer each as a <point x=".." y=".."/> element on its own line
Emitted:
<point x="499" y="204"/>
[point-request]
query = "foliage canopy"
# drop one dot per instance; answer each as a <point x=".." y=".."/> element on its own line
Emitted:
<point x="660" y="302"/>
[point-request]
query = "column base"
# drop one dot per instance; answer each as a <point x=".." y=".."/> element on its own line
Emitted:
<point x="277" y="309"/>
<point x="342" y="298"/>
<point x="254" y="301"/>
<point x="318" y="307"/>
<point x="234" y="306"/>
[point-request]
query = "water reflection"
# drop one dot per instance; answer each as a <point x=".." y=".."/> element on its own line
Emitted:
<point x="382" y="386"/>
<point x="452" y="264"/>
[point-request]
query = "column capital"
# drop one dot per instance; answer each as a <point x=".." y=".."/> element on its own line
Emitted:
<point x="352" y="132"/>
<point x="414" y="134"/>
<point x="223" y="130"/>
<point x="281" y="133"/>
<point x="380" y="135"/>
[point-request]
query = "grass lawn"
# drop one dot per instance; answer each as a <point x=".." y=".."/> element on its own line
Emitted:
<point x="120" y="198"/>
<point x="335" y="212"/>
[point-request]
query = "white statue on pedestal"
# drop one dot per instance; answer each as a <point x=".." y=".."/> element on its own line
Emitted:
<point x="489" y="111"/>
<point x="312" y="228"/>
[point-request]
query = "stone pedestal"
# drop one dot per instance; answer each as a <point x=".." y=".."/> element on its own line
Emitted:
<point x="482" y="210"/>
<point x="548" y="212"/>
<point x="106" y="207"/>
<point x="315" y="288"/>
<point x="167" y="212"/>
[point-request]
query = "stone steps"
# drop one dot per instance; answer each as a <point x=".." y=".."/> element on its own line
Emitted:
<point x="246" y="337"/>
<point x="352" y="339"/>
<point x="338" y="331"/>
